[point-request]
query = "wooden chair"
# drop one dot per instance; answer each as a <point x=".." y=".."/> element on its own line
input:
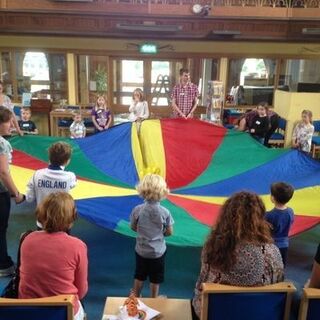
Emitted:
<point x="223" y="302"/>
<point x="278" y="137"/>
<point x="51" y="308"/>
<point x="315" y="144"/>
<point x="310" y="304"/>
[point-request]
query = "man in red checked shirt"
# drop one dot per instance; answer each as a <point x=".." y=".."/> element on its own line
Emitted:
<point x="184" y="96"/>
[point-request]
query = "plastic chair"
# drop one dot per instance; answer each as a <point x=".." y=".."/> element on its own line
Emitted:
<point x="223" y="302"/>
<point x="17" y="111"/>
<point x="315" y="144"/>
<point x="278" y="137"/>
<point x="310" y="304"/>
<point x="50" y="308"/>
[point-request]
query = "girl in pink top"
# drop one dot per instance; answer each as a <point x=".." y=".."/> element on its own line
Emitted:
<point x="53" y="262"/>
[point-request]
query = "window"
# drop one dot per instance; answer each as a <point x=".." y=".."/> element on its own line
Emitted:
<point x="255" y="77"/>
<point x="131" y="78"/>
<point x="92" y="77"/>
<point x="300" y="75"/>
<point x="43" y="74"/>
<point x="155" y="77"/>
<point x="160" y="83"/>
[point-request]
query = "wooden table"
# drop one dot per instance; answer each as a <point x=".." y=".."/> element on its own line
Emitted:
<point x="43" y="106"/>
<point x="171" y="309"/>
<point x="56" y="115"/>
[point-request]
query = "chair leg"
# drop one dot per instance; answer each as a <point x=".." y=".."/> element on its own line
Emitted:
<point x="313" y="151"/>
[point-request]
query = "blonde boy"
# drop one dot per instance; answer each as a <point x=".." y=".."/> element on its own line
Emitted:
<point x="152" y="222"/>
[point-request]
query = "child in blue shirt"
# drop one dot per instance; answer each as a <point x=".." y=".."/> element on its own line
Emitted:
<point x="152" y="222"/>
<point x="281" y="217"/>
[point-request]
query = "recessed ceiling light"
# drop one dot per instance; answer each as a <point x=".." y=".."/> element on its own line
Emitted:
<point x="150" y="28"/>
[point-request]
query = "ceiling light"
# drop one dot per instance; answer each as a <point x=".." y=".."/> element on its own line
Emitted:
<point x="200" y="9"/>
<point x="72" y="0"/>
<point x="311" y="31"/>
<point x="226" y="32"/>
<point x="149" y="28"/>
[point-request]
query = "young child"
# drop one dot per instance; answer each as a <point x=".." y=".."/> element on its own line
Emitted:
<point x="77" y="128"/>
<point x="281" y="217"/>
<point x="152" y="222"/>
<point x="54" y="178"/>
<point x="101" y="115"/>
<point x="260" y="123"/>
<point x="139" y="107"/>
<point x="8" y="190"/>
<point x="26" y="125"/>
<point x="303" y="131"/>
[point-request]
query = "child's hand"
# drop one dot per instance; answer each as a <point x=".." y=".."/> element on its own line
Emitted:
<point x="20" y="198"/>
<point x="252" y="131"/>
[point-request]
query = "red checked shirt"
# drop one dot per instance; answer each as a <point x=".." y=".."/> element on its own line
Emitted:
<point x="184" y="97"/>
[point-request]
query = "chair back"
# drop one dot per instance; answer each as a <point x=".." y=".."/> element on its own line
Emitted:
<point x="310" y="304"/>
<point x="282" y="124"/>
<point x="222" y="302"/>
<point x="51" y="308"/>
<point x="316" y="125"/>
<point x="73" y="108"/>
<point x="17" y="111"/>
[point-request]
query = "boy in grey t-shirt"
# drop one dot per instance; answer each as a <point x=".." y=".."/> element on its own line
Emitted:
<point x="152" y="222"/>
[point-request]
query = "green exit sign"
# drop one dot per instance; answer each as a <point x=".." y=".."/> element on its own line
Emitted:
<point x="150" y="48"/>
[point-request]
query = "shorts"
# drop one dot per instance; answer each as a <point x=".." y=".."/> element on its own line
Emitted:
<point x="152" y="268"/>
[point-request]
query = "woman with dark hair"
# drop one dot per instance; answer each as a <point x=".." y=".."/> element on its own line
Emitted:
<point x="240" y="250"/>
<point x="246" y="121"/>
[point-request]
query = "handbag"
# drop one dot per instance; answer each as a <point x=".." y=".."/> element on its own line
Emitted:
<point x="11" y="290"/>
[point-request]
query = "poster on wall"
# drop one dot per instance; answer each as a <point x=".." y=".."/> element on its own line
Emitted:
<point x="26" y="99"/>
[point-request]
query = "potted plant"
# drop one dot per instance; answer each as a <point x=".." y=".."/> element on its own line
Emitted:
<point x="101" y="79"/>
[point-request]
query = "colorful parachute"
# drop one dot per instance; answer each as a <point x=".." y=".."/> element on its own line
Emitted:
<point x="203" y="164"/>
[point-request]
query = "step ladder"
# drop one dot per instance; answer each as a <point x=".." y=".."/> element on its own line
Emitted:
<point x="163" y="82"/>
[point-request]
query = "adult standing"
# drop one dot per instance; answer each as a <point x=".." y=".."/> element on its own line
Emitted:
<point x="6" y="102"/>
<point x="8" y="190"/>
<point x="184" y="96"/>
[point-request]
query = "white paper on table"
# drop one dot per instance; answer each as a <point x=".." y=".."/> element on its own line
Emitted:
<point x="150" y="313"/>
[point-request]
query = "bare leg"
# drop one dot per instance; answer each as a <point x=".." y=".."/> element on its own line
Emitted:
<point x="154" y="289"/>
<point x="137" y="287"/>
<point x="242" y="124"/>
